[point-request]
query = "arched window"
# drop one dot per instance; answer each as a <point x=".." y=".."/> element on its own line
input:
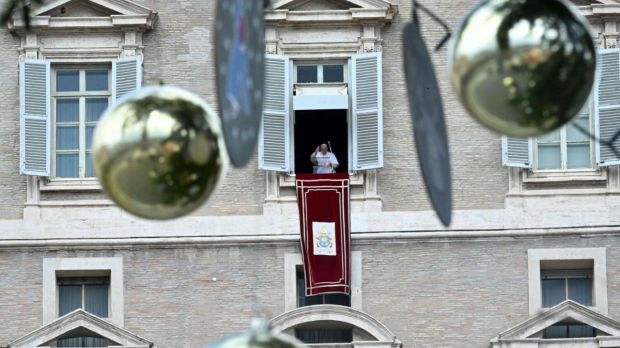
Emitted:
<point x="333" y="321"/>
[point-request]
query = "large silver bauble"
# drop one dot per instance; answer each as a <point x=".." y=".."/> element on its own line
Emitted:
<point x="523" y="67"/>
<point x="159" y="152"/>
<point x="259" y="337"/>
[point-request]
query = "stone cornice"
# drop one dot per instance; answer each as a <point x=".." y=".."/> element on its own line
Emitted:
<point x="352" y="16"/>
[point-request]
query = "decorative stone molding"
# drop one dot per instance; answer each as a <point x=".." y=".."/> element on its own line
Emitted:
<point x="599" y="279"/>
<point x="527" y="334"/>
<point x="84" y="31"/>
<point x="86" y="266"/>
<point x="346" y="315"/>
<point x="79" y="319"/>
<point x="333" y="29"/>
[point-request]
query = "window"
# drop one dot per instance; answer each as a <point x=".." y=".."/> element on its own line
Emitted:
<point x="82" y="341"/>
<point x="566" y="148"/>
<point x="80" y="96"/>
<point x="355" y="108"/>
<point x="557" y="275"/>
<point x="320" y="73"/>
<point x="571" y="284"/>
<point x="303" y="300"/>
<point x="90" y="294"/>
<point x="94" y="284"/>
<point x="566" y="329"/>
<point x="325" y="333"/>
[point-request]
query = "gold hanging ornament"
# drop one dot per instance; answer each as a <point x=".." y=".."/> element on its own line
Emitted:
<point x="523" y="67"/>
<point x="159" y="152"/>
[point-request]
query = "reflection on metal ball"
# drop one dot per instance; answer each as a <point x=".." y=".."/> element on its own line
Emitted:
<point x="523" y="67"/>
<point x="159" y="152"/>
<point x="258" y="337"/>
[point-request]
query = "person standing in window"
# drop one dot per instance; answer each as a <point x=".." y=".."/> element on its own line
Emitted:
<point x="324" y="161"/>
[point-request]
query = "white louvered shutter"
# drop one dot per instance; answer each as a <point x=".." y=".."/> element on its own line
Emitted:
<point x="126" y="76"/>
<point x="607" y="115"/>
<point x="517" y="152"/>
<point x="35" y="123"/>
<point x="273" y="149"/>
<point x="367" y="113"/>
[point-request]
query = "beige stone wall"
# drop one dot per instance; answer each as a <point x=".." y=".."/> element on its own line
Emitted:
<point x="433" y="293"/>
<point x="12" y="185"/>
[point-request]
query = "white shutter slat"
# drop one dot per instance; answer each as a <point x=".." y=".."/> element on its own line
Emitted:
<point x="607" y="113"/>
<point x="126" y="75"/>
<point x="274" y="138"/>
<point x="517" y="152"/>
<point x="35" y="124"/>
<point x="367" y="114"/>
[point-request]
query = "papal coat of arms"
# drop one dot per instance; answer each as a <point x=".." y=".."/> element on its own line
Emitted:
<point x="324" y="238"/>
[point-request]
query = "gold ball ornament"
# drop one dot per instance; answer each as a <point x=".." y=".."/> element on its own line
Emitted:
<point x="259" y="336"/>
<point x="159" y="152"/>
<point x="523" y="67"/>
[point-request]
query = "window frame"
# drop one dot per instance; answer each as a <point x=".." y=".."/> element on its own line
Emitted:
<point x="80" y="280"/>
<point x="599" y="274"/>
<point x="564" y="148"/>
<point x="84" y="267"/>
<point x="81" y="95"/>
<point x="292" y="261"/>
<point x="320" y="64"/>
<point x="565" y="275"/>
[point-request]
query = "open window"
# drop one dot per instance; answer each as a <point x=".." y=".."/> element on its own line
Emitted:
<point x="309" y="103"/>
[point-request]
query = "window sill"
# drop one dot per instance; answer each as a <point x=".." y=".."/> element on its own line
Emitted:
<point x="288" y="180"/>
<point x="86" y="184"/>
<point x="564" y="176"/>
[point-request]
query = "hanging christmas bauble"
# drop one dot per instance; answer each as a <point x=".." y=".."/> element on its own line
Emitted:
<point x="259" y="336"/>
<point x="159" y="152"/>
<point x="523" y="67"/>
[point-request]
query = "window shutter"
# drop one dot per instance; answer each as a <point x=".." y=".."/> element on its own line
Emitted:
<point x="274" y="136"/>
<point x="607" y="115"/>
<point x="35" y="123"/>
<point x="126" y="76"/>
<point x="367" y="113"/>
<point x="517" y="152"/>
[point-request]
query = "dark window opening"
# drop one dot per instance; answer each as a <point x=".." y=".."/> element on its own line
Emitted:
<point x="303" y="300"/>
<point x="307" y="74"/>
<point x="333" y="73"/>
<point x="84" y="341"/>
<point x="566" y="284"/>
<point x="316" y="336"/>
<point x="564" y="330"/>
<point x="315" y="127"/>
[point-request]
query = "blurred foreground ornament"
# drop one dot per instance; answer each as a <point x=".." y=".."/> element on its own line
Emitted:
<point x="239" y="53"/>
<point x="523" y="67"/>
<point x="159" y="152"/>
<point x="259" y="336"/>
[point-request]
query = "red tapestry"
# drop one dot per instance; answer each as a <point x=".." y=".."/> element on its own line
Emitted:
<point x="323" y="201"/>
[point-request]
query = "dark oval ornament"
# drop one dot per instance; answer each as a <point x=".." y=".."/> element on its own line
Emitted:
<point x="523" y="67"/>
<point x="159" y="153"/>
<point x="239" y="56"/>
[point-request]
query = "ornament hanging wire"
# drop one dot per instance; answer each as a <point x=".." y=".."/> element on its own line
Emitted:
<point x="442" y="42"/>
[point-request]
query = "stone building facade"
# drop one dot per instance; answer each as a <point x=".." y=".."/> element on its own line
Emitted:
<point x="518" y="233"/>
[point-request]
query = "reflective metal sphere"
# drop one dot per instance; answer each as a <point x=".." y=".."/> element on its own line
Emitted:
<point x="258" y="337"/>
<point x="523" y="67"/>
<point x="159" y="152"/>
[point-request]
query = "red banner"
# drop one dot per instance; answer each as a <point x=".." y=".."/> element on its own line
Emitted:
<point x="323" y="201"/>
